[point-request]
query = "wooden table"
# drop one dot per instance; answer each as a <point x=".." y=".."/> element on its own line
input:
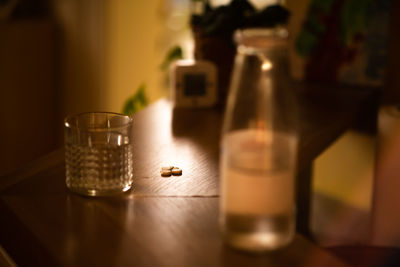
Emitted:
<point x="162" y="221"/>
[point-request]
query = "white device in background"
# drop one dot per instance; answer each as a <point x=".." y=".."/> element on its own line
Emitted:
<point x="193" y="83"/>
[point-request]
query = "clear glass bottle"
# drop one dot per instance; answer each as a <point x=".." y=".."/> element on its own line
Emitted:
<point x="259" y="145"/>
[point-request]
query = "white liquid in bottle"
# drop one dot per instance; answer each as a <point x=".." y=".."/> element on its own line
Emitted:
<point x="257" y="190"/>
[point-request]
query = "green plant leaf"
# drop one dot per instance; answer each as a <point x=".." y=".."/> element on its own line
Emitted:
<point x="354" y="19"/>
<point x="305" y="43"/>
<point x="173" y="54"/>
<point x="136" y="102"/>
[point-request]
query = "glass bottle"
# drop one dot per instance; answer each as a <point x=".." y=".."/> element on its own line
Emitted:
<point x="259" y="145"/>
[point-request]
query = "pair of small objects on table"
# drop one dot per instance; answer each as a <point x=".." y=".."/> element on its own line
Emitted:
<point x="170" y="170"/>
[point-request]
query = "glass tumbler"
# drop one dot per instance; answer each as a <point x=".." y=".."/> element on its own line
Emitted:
<point x="98" y="153"/>
<point x="259" y="145"/>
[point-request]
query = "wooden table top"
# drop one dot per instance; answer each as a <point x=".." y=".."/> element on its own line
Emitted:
<point x="169" y="221"/>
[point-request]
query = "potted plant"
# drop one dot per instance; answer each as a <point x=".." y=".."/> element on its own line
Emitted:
<point x="213" y="29"/>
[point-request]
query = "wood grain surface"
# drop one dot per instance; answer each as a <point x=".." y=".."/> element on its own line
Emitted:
<point x="188" y="139"/>
<point x="170" y="221"/>
<point x="134" y="231"/>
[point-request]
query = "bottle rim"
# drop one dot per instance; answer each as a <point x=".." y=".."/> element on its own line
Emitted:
<point x="262" y="37"/>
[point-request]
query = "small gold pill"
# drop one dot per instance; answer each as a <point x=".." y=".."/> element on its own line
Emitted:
<point x="166" y="173"/>
<point x="176" y="171"/>
<point x="167" y="168"/>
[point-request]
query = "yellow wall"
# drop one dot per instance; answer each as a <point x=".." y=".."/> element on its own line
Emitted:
<point x="133" y="32"/>
<point x="345" y="170"/>
<point x="108" y="48"/>
<point x="82" y="57"/>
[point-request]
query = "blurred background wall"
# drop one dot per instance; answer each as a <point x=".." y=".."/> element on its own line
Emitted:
<point x="28" y="94"/>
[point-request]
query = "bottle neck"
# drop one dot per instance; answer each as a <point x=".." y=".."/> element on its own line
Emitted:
<point x="272" y="59"/>
<point x="268" y="45"/>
